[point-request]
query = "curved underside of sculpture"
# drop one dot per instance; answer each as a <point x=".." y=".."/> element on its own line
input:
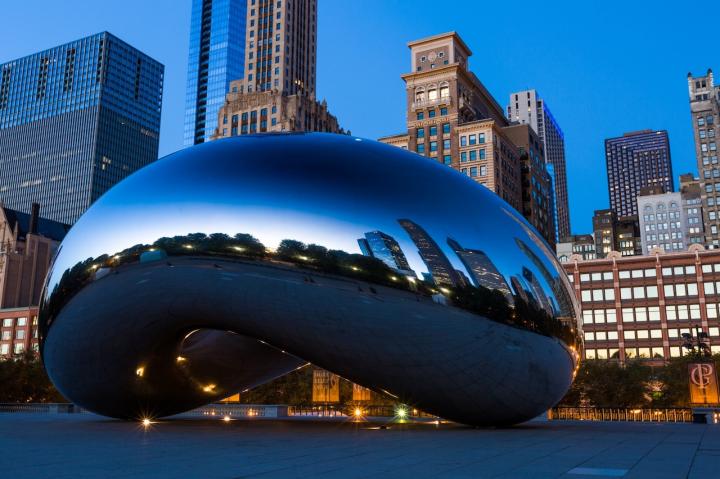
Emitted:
<point x="223" y="266"/>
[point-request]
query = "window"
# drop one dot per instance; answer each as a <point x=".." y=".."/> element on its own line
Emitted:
<point x="447" y="159"/>
<point x="473" y="155"/>
<point x="473" y="171"/>
<point x="431" y="114"/>
<point x="433" y="131"/>
<point x="21" y="321"/>
<point x="481" y="138"/>
<point x="472" y="139"/>
<point x="463" y="156"/>
<point x="443" y="111"/>
<point x="463" y="141"/>
<point x="586" y="295"/>
<point x="420" y="115"/>
<point x="421" y="132"/>
<point x="433" y="146"/>
<point x="20" y="334"/>
<point x="421" y="148"/>
<point x="7" y="323"/>
<point x="446" y="145"/>
<point x="482" y="153"/>
<point x="446" y="128"/>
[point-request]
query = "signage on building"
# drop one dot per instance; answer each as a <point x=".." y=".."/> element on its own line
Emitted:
<point x="703" y="383"/>
<point x="326" y="386"/>
<point x="360" y="393"/>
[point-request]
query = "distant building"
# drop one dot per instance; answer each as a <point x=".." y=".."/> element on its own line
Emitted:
<point x="537" y="199"/>
<point x="636" y="160"/>
<point x="640" y="306"/>
<point x="439" y="267"/>
<point x="526" y="107"/>
<point x="452" y="118"/>
<point x="663" y="223"/>
<point x="616" y="234"/>
<point x="27" y="245"/>
<point x="481" y="269"/>
<point x="217" y="56"/>
<point x="384" y="247"/>
<point x="75" y="120"/>
<point x="691" y="194"/>
<point x="277" y="92"/>
<point x="705" y="112"/>
<point x="581" y="245"/>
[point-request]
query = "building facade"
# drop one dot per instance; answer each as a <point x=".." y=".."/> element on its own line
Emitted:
<point x="526" y="107"/>
<point x="636" y="160"/>
<point x="691" y="195"/>
<point x="217" y="56"/>
<point x="277" y="92"/>
<point x="616" y="234"/>
<point x="705" y="113"/>
<point x="453" y="119"/>
<point x="75" y="120"/>
<point x="27" y="246"/>
<point x="581" y="245"/>
<point x="663" y="222"/>
<point x="384" y="247"/>
<point x="639" y="307"/>
<point x="18" y="331"/>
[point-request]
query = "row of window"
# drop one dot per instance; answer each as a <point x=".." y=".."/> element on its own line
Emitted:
<point x="473" y="139"/>
<point x="673" y="312"/>
<point x="432" y="113"/>
<point x="10" y="322"/>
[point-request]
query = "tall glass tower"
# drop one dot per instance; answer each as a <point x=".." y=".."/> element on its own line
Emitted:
<point x="75" y="120"/>
<point x="217" y="56"/>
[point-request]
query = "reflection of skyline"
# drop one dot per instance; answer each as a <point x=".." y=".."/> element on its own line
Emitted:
<point x="438" y="265"/>
<point x="384" y="247"/>
<point x="481" y="269"/>
<point x="536" y="291"/>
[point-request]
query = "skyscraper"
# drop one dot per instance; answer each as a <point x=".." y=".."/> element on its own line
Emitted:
<point x="481" y="269"/>
<point x="217" y="56"/>
<point x="384" y="247"/>
<point x="75" y="120"/>
<point x="438" y="265"/>
<point x="636" y="160"/>
<point x="278" y="90"/>
<point x="705" y="112"/>
<point x="527" y="107"/>
<point x="452" y="118"/>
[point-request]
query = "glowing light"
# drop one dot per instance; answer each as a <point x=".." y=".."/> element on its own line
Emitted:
<point x="238" y="248"/>
<point x="181" y="359"/>
<point x="140" y="372"/>
<point x="636" y="411"/>
<point x="401" y="412"/>
<point x="226" y="418"/>
<point x="188" y="246"/>
<point x="304" y="258"/>
<point x="411" y="279"/>
<point x="209" y="388"/>
<point x="358" y="412"/>
<point x="146" y="422"/>
<point x="355" y="268"/>
<point x="394" y="278"/>
<point x="445" y="290"/>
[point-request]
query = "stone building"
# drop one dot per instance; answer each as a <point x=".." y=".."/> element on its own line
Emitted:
<point x="452" y="118"/>
<point x="277" y="92"/>
<point x="705" y="112"/>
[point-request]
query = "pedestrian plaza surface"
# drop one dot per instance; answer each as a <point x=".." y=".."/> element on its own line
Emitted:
<point x="89" y="446"/>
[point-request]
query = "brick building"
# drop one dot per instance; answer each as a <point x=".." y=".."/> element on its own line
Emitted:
<point x="639" y="306"/>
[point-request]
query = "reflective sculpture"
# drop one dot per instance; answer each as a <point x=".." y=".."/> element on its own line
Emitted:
<point x="228" y="264"/>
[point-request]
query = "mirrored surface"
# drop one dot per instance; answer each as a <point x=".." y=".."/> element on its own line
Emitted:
<point x="390" y="269"/>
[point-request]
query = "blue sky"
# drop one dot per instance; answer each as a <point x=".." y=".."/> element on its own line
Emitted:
<point x="604" y="68"/>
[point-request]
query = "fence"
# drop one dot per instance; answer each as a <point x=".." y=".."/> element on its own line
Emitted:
<point x="613" y="414"/>
<point x="40" y="408"/>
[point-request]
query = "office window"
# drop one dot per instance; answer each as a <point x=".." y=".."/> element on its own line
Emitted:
<point x="447" y="159"/>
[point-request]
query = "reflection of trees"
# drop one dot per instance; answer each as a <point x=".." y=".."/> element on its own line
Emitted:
<point x="493" y="304"/>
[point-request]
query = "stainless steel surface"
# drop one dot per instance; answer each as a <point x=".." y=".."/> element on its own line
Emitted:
<point x="224" y="265"/>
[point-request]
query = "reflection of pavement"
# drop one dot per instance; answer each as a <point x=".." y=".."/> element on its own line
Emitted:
<point x="85" y="446"/>
<point x="446" y="360"/>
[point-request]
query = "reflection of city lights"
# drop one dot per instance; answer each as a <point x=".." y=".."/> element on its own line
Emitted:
<point x="238" y="248"/>
<point x="411" y="279"/>
<point x="354" y="268"/>
<point x="445" y="290"/>
<point x="181" y="359"/>
<point x="139" y="372"/>
<point x="394" y="278"/>
<point x="187" y="246"/>
<point x="304" y="258"/>
<point x="226" y="418"/>
<point x="209" y="388"/>
<point x="146" y="422"/>
<point x="358" y="412"/>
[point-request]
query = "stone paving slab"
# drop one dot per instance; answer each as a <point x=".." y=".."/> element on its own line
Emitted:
<point x="87" y="446"/>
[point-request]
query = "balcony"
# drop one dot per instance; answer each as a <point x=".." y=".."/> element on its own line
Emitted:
<point x="443" y="100"/>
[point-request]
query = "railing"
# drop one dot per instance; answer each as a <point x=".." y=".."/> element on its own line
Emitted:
<point x="340" y="410"/>
<point x="441" y="100"/>
<point x="613" y="414"/>
<point x="40" y="408"/>
<point x="240" y="410"/>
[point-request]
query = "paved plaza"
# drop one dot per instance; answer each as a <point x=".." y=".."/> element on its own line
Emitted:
<point x="83" y="446"/>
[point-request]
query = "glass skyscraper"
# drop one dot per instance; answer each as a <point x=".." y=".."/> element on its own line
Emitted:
<point x="75" y="120"/>
<point x="217" y="56"/>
